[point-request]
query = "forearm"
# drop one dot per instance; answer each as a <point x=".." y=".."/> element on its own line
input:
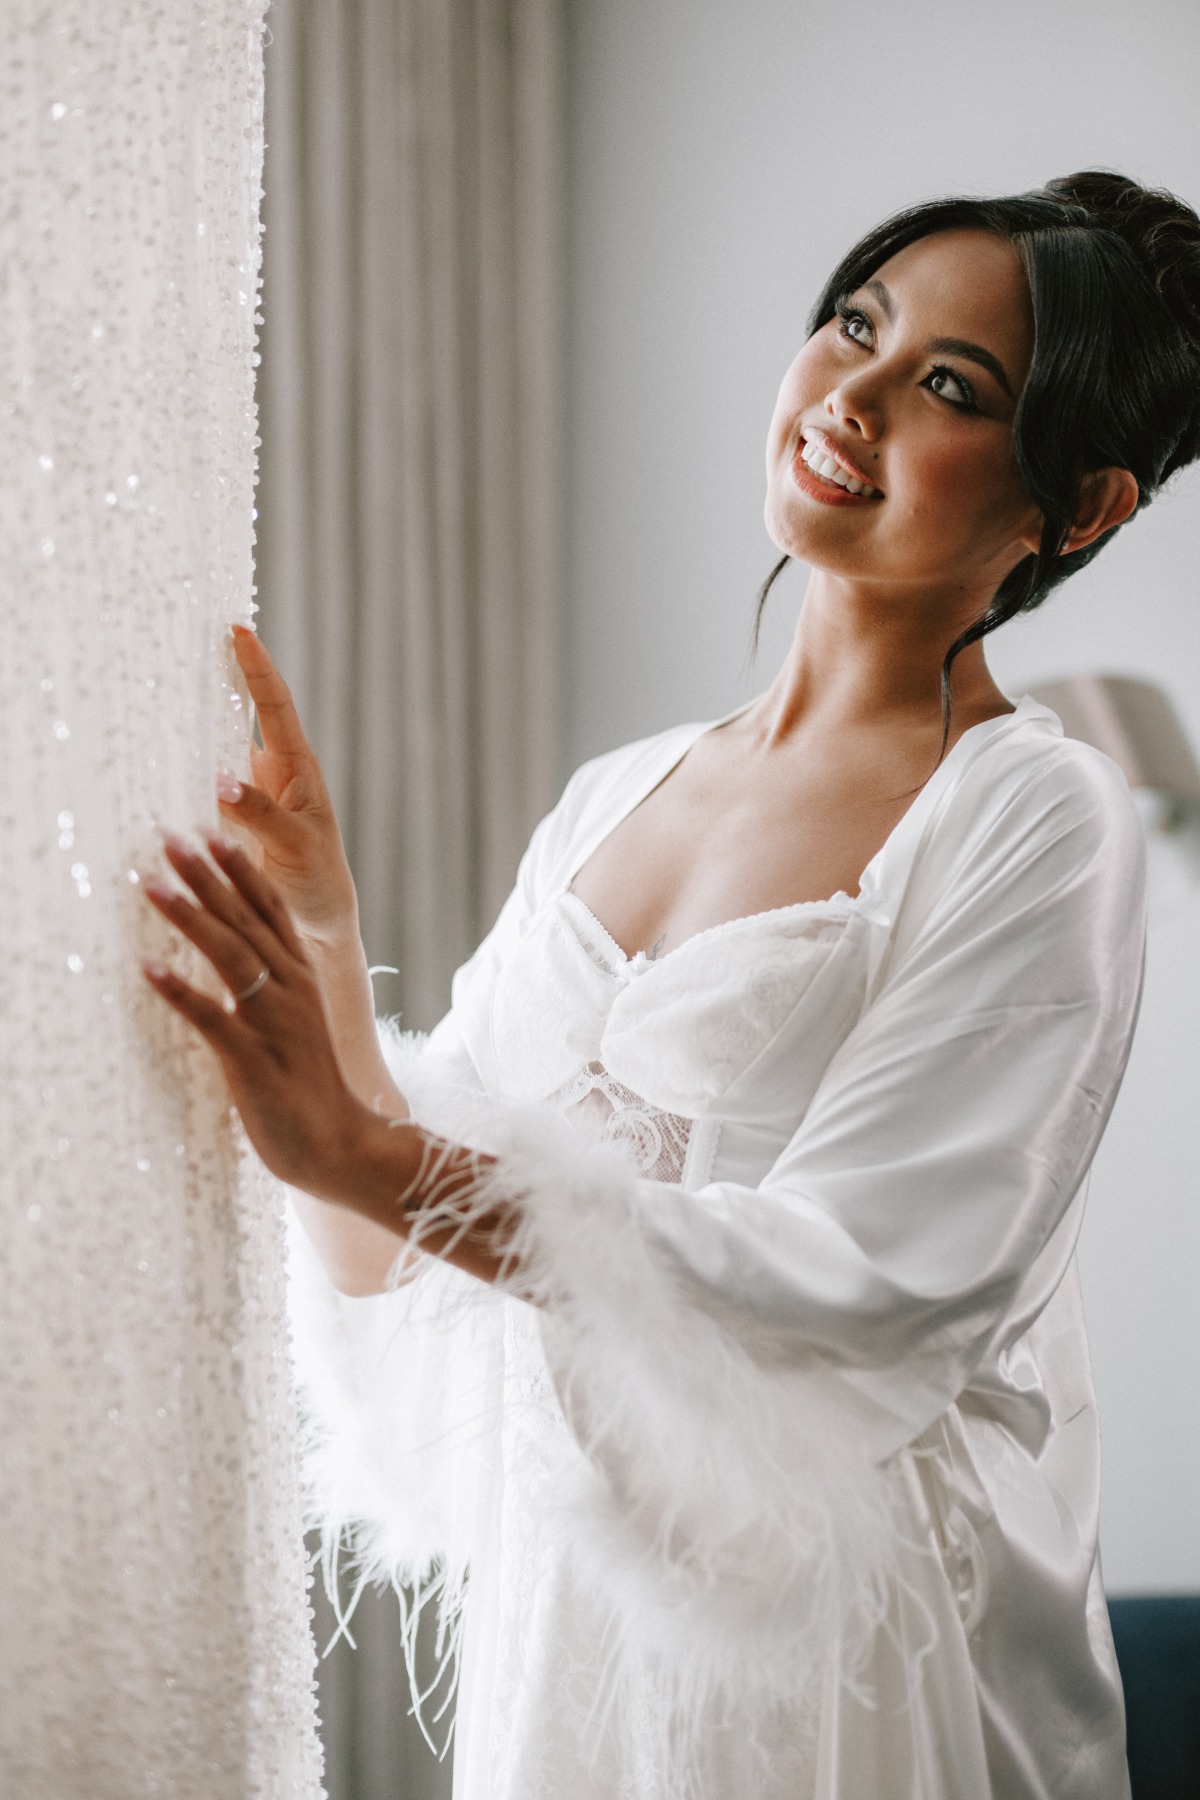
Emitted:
<point x="396" y="1183"/>
<point x="359" y="1256"/>
<point x="359" y="1253"/>
<point x="426" y="1191"/>
<point x="341" y="968"/>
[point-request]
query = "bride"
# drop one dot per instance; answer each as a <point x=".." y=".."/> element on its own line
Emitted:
<point x="704" y="1284"/>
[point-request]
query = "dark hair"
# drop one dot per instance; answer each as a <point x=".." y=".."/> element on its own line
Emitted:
<point x="1114" y="275"/>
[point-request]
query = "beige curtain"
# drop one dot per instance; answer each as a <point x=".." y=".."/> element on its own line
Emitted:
<point x="408" y="502"/>
<point x="407" y="531"/>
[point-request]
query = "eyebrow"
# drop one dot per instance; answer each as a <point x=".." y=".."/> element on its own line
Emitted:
<point x="883" y="294"/>
<point x="948" y="346"/>
<point x="977" y="354"/>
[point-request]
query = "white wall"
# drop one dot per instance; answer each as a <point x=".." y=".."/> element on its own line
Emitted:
<point x="723" y="154"/>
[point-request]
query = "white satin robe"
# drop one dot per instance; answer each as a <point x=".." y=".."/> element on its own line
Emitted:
<point x="785" y="1486"/>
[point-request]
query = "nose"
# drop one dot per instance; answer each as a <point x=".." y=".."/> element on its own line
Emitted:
<point x="856" y="404"/>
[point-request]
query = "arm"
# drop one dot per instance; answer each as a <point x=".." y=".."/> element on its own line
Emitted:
<point x="358" y="1252"/>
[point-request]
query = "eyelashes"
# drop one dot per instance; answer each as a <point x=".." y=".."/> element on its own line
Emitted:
<point x="848" y="317"/>
<point x="857" y="327"/>
<point x="967" y="402"/>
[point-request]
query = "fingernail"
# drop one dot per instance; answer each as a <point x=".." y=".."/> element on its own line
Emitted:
<point x="228" y="789"/>
<point x="217" y="840"/>
<point x="242" y="631"/>
<point x="174" y="840"/>
<point x="155" y="970"/>
<point x="157" y="889"/>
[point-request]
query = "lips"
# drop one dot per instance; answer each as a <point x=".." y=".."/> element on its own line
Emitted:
<point x="831" y="466"/>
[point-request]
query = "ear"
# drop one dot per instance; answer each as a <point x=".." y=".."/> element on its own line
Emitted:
<point x="1106" y="498"/>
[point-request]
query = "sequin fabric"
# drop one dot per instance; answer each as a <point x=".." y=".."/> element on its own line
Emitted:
<point x="155" y="1637"/>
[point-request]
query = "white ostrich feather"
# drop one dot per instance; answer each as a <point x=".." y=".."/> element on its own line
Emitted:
<point x="715" y="1495"/>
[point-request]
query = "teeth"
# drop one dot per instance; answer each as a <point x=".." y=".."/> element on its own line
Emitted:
<point x="828" y="470"/>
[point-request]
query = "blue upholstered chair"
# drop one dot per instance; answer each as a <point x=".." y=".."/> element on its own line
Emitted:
<point x="1158" y="1648"/>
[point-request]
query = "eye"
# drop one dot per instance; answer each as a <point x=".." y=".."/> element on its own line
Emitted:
<point x="856" y="326"/>
<point x="952" y="387"/>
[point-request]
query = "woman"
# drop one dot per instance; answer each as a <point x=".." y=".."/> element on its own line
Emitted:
<point x="735" y="1338"/>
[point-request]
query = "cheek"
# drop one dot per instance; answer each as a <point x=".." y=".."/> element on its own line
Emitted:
<point x="970" y="481"/>
<point x="780" y="427"/>
<point x="795" y="397"/>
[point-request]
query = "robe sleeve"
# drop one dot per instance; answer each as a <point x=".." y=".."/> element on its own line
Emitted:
<point x="958" y="1121"/>
<point x="400" y="1392"/>
<point x="738" y="1363"/>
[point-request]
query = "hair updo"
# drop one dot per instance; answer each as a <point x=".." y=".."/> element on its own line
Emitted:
<point x="1114" y="276"/>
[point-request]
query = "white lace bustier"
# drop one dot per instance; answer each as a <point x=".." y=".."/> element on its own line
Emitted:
<point x="657" y="1141"/>
<point x="640" y="1050"/>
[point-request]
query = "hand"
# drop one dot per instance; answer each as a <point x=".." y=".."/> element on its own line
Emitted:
<point x="274" y="1045"/>
<point x="288" y="809"/>
<point x="273" y="1042"/>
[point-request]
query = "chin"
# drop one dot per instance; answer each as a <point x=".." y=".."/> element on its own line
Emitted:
<point x="784" y="530"/>
<point x="818" y="542"/>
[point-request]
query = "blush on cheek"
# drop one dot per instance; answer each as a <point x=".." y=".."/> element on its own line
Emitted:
<point x="953" y="485"/>
<point x="968" y="503"/>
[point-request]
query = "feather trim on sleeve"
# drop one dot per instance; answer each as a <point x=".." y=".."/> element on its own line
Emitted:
<point x="720" y="1499"/>
<point x="399" y="1397"/>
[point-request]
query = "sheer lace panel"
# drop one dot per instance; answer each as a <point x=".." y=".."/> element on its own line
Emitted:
<point x="657" y="1140"/>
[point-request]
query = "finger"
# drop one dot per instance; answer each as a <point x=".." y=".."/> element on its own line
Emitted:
<point x="278" y="720"/>
<point x="226" y="904"/>
<point x="278" y="826"/>
<point x="255" y="889"/>
<point x="236" y="962"/>
<point x="211" y="1020"/>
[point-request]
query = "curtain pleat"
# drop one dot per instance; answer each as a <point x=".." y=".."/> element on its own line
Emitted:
<point x="408" y="531"/>
<point x="407" y="560"/>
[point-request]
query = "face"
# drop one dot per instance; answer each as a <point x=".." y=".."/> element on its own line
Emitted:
<point x="889" y="458"/>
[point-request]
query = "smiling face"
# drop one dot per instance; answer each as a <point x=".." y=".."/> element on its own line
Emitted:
<point x="889" y="458"/>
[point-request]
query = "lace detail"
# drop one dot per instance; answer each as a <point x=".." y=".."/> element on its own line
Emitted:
<point x="656" y="1140"/>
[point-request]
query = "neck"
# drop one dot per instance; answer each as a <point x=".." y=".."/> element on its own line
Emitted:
<point x="861" y="656"/>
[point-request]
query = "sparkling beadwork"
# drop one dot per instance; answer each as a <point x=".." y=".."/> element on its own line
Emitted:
<point x="155" y="1640"/>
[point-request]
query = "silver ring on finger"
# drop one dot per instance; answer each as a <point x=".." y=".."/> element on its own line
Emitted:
<point x="256" y="986"/>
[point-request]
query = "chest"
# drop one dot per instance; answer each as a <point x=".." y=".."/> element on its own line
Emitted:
<point x="740" y="1022"/>
<point x="728" y="835"/>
